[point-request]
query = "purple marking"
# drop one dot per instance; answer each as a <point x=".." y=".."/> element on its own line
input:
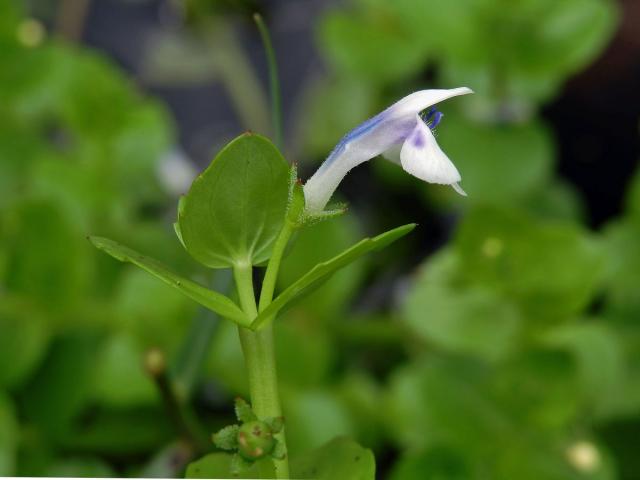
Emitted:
<point x="418" y="140"/>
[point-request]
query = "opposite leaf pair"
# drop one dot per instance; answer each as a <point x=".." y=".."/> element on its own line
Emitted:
<point x="239" y="206"/>
<point x="223" y="223"/>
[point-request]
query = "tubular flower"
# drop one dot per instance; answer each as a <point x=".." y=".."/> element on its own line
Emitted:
<point x="402" y="133"/>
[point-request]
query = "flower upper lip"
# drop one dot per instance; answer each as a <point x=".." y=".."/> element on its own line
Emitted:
<point x="400" y="125"/>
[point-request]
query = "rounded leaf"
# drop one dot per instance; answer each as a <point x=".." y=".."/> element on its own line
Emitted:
<point x="235" y="208"/>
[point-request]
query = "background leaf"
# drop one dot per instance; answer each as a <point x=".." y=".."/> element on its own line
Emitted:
<point x="340" y="458"/>
<point x="550" y="268"/>
<point x="8" y="436"/>
<point x="473" y="320"/>
<point x="218" y="465"/>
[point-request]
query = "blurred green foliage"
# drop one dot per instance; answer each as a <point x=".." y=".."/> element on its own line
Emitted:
<point x="512" y="352"/>
<point x="79" y="150"/>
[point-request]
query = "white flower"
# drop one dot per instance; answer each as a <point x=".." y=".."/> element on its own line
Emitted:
<point x="400" y="134"/>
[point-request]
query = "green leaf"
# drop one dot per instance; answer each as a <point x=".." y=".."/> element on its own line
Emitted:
<point x="340" y="458"/>
<point x="623" y="265"/>
<point x="24" y="336"/>
<point x="48" y="260"/>
<point x="120" y="379"/>
<point x="457" y="404"/>
<point x="558" y="200"/>
<point x="524" y="49"/>
<point x="62" y="386"/>
<point x="322" y="271"/>
<point x="443" y="400"/>
<point x="599" y="357"/>
<point x="9" y="435"/>
<point x="539" y="386"/>
<point x="314" y="417"/>
<point x="473" y="320"/>
<point x="118" y="433"/>
<point x="212" y="300"/>
<point x="435" y="463"/>
<point x="81" y="467"/>
<point x="498" y="164"/>
<point x="314" y="244"/>
<point x="219" y="465"/>
<point x="235" y="209"/>
<point x="551" y="269"/>
<point x="370" y="47"/>
<point x="151" y="312"/>
<point x="632" y="200"/>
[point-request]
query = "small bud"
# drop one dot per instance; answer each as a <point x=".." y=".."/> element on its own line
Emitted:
<point x="155" y="362"/>
<point x="255" y="440"/>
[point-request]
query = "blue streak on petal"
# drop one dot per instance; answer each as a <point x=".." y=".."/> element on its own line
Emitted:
<point x="357" y="132"/>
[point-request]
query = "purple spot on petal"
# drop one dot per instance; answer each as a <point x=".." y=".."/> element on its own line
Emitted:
<point x="418" y="140"/>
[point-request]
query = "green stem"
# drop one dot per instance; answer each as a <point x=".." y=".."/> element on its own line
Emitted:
<point x="259" y="356"/>
<point x="271" y="275"/>
<point x="274" y="82"/>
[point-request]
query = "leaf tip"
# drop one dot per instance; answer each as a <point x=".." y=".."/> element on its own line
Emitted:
<point x="95" y="241"/>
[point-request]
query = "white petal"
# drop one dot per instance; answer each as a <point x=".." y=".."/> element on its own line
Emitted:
<point x="456" y="186"/>
<point x="423" y="99"/>
<point x="422" y="157"/>
<point x="393" y="154"/>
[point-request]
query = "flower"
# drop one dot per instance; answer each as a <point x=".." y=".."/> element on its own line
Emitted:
<point x="402" y="133"/>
